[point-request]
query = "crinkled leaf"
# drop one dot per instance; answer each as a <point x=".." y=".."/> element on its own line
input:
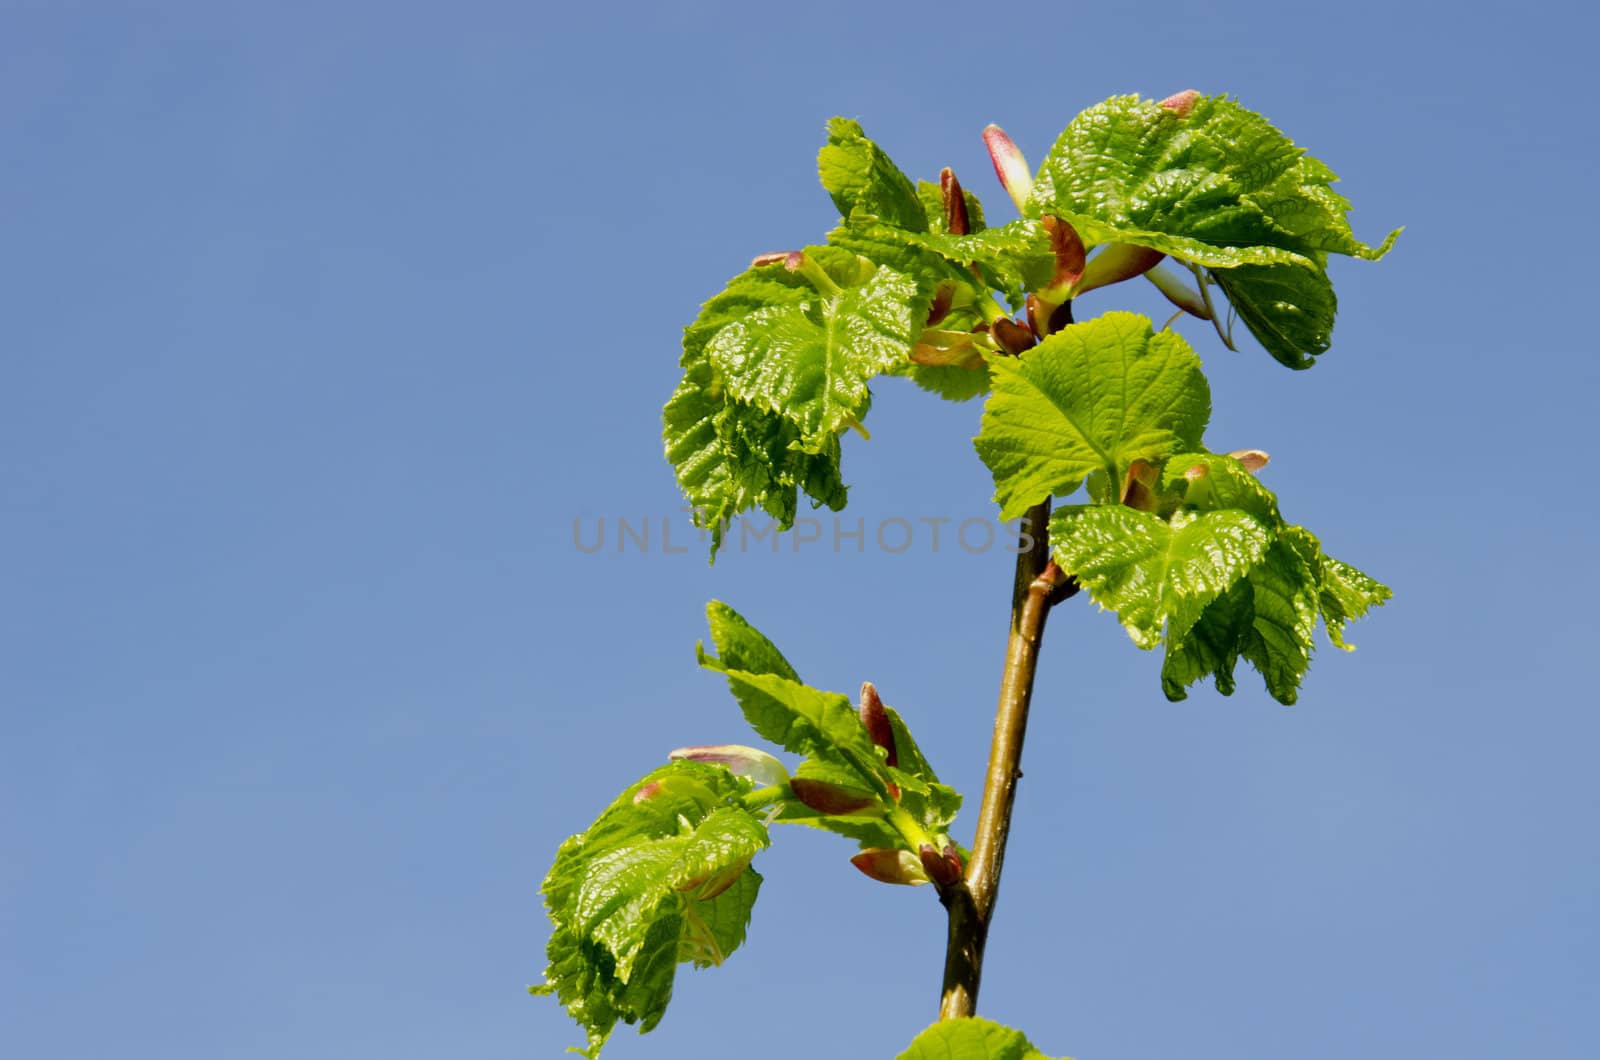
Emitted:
<point x="731" y="457"/>
<point x="662" y="876"/>
<point x="1220" y="187"/>
<point x="811" y="362"/>
<point x="1091" y="397"/>
<point x="1344" y="593"/>
<point x="1221" y="176"/>
<point x="862" y="180"/>
<point x="1269" y="617"/>
<point x="1288" y="308"/>
<point x="1151" y="572"/>
<point x="971" y="1039"/>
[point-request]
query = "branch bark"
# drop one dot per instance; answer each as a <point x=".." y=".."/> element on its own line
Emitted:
<point x="1037" y="585"/>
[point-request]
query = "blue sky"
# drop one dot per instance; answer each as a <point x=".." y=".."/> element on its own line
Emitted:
<point x="323" y="323"/>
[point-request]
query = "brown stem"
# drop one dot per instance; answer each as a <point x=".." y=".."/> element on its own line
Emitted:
<point x="970" y="903"/>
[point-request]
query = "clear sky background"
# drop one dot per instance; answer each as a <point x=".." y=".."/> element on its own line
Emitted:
<point x="321" y="324"/>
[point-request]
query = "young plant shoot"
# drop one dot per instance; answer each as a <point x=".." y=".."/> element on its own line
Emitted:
<point x="1103" y="409"/>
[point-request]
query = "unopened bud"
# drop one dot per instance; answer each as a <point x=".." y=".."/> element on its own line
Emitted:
<point x="1067" y="246"/>
<point x="835" y="800"/>
<point x="749" y="762"/>
<point x="1139" y="490"/>
<point x="876" y="721"/>
<point x="1115" y="263"/>
<point x="943" y="868"/>
<point x="939" y="307"/>
<point x="891" y="866"/>
<point x="1012" y="337"/>
<point x="1181" y="103"/>
<point x="1009" y="165"/>
<point x="956" y="221"/>
<point x="1252" y="459"/>
<point x="789" y="259"/>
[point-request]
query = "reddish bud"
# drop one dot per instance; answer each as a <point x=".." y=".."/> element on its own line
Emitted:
<point x="1009" y="165"/>
<point x="876" y="721"/>
<point x="750" y="762"/>
<point x="1069" y="252"/>
<point x="939" y="308"/>
<point x="956" y="221"/>
<point x="942" y="868"/>
<point x="891" y="866"/>
<point x="1181" y="103"/>
<point x="789" y="259"/>
<point x="1140" y="489"/>
<point x="1012" y="337"/>
<point x="1252" y="459"/>
<point x="835" y="800"/>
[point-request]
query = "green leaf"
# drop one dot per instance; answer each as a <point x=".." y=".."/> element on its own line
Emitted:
<point x="1269" y="617"/>
<point x="731" y="457"/>
<point x="826" y="729"/>
<point x="1219" y="187"/>
<point x="971" y="1039"/>
<point x="1288" y="308"/>
<point x="811" y="362"/>
<point x="1220" y="176"/>
<point x="662" y="876"/>
<point x="1344" y="593"/>
<point x="1152" y="572"/>
<point x="1092" y="397"/>
<point x="862" y="180"/>
<point x="779" y="708"/>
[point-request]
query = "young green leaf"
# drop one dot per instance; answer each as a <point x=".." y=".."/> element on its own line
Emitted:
<point x="730" y="457"/>
<point x="811" y="362"/>
<point x="1218" y="175"/>
<point x="863" y="181"/>
<point x="662" y="876"/>
<point x="1092" y="397"/>
<point x="1217" y="185"/>
<point x="971" y="1039"/>
<point x="1154" y="573"/>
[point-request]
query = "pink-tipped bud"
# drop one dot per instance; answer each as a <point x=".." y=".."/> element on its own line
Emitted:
<point x="943" y="868"/>
<point x="1069" y="252"/>
<point x="1115" y="263"/>
<point x="956" y="221"/>
<point x="647" y="792"/>
<point x="835" y="800"/>
<point x="876" y="721"/>
<point x="1177" y="291"/>
<point x="1196" y="473"/>
<point x="789" y="259"/>
<point x="1252" y="459"/>
<point x="749" y="762"/>
<point x="1181" y="103"/>
<point x="891" y="866"/>
<point x="1009" y="165"/>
